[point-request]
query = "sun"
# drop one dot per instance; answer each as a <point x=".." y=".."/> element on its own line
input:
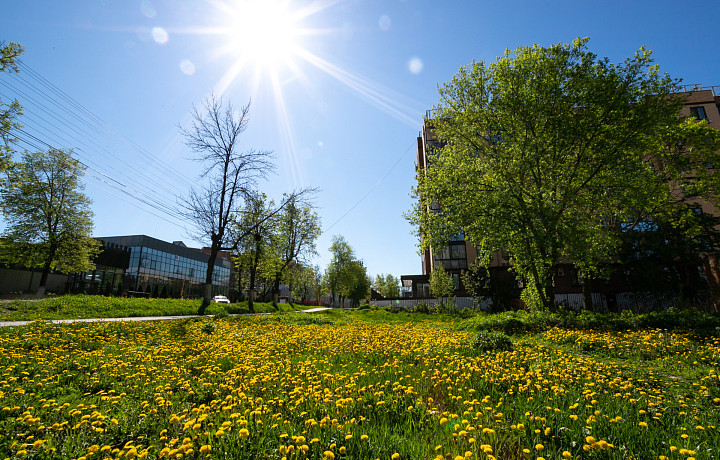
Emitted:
<point x="263" y="33"/>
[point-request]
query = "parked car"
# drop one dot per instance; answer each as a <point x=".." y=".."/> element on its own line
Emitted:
<point x="220" y="299"/>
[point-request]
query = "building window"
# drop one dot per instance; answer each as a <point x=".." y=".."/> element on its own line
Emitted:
<point x="452" y="256"/>
<point x="456" y="281"/>
<point x="575" y="279"/>
<point x="698" y="112"/>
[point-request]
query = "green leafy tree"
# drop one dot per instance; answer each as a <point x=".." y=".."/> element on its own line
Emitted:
<point x="255" y="238"/>
<point x="298" y="226"/>
<point x="387" y="285"/>
<point x="357" y="282"/>
<point x="345" y="276"/>
<point x="541" y="150"/>
<point x="441" y="283"/>
<point x="303" y="279"/>
<point x="8" y="112"/>
<point x="49" y="221"/>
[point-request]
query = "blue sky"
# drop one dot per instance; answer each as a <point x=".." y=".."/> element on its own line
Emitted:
<point x="339" y="99"/>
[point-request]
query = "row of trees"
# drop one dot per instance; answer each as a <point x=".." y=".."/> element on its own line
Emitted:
<point x="49" y="221"/>
<point x="272" y="242"/>
<point x="275" y="246"/>
<point x="553" y="154"/>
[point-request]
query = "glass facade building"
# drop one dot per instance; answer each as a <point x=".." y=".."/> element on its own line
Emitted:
<point x="142" y="265"/>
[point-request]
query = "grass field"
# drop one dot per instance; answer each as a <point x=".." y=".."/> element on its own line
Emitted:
<point x="360" y="385"/>
<point x="91" y="306"/>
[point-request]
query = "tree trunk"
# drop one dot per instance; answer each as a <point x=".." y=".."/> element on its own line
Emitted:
<point x="207" y="290"/>
<point x="544" y="289"/>
<point x="251" y="291"/>
<point x="46" y="270"/>
<point x="276" y="291"/>
<point x="587" y="294"/>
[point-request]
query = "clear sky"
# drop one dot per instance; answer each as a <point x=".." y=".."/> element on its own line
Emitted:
<point x="338" y="89"/>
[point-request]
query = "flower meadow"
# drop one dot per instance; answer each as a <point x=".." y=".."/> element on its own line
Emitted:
<point x="352" y="386"/>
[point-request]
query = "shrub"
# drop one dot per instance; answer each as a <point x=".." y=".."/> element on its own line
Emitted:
<point x="221" y="314"/>
<point x="209" y="328"/>
<point x="508" y="322"/>
<point x="490" y="341"/>
<point x="364" y="307"/>
<point x="422" y="307"/>
<point x="316" y="320"/>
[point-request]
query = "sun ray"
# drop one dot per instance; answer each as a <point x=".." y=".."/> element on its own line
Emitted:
<point x="382" y="97"/>
<point x="286" y="132"/>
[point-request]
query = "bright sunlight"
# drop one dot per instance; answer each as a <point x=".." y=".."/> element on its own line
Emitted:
<point x="263" y="33"/>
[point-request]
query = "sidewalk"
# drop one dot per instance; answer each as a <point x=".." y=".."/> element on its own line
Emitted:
<point x="138" y="318"/>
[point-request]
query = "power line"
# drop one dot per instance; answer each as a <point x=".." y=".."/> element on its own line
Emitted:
<point x="72" y="121"/>
<point x="39" y="144"/>
<point x="371" y="189"/>
<point x="77" y="124"/>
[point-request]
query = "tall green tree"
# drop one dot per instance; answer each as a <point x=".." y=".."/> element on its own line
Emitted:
<point x="345" y="276"/>
<point x="254" y="226"/>
<point x="49" y="221"/>
<point x="357" y="285"/>
<point x="297" y="229"/>
<point x="387" y="285"/>
<point x="8" y="111"/>
<point x="441" y="283"/>
<point x="541" y="150"/>
<point x="303" y="280"/>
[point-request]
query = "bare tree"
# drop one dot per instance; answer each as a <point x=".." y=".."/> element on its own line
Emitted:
<point x="230" y="175"/>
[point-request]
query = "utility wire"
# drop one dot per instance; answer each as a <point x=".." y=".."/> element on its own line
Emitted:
<point x="35" y="75"/>
<point x="371" y="189"/>
<point x="75" y="122"/>
<point x="39" y="144"/>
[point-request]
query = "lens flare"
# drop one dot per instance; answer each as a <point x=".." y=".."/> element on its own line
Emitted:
<point x="415" y="65"/>
<point x="148" y="9"/>
<point x="187" y="67"/>
<point x="160" y="35"/>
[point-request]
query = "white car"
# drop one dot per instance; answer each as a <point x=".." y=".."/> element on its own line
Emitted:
<point x="220" y="299"/>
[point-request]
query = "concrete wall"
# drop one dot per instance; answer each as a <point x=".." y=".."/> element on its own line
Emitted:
<point x="14" y="281"/>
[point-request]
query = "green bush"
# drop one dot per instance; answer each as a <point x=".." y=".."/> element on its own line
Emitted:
<point x="490" y="341"/>
<point x="422" y="307"/>
<point x="507" y="322"/>
<point x="316" y="320"/>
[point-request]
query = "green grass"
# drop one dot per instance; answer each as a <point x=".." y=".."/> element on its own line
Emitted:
<point x="86" y="306"/>
<point x="362" y="385"/>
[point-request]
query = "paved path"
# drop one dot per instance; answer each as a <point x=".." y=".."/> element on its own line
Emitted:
<point x="139" y="318"/>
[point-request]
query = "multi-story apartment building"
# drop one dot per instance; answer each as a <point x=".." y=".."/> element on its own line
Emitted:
<point x="701" y="102"/>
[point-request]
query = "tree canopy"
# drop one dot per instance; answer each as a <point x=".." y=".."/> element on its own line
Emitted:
<point x="387" y="285"/>
<point x="49" y="221"/>
<point x="544" y="153"/>
<point x="8" y="111"/>
<point x="346" y="276"/>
